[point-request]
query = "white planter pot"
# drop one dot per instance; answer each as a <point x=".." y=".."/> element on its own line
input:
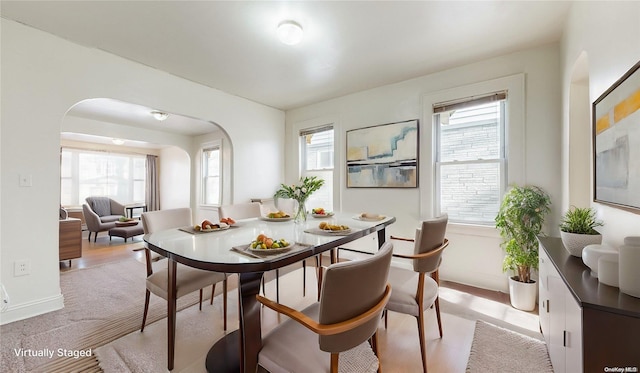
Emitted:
<point x="523" y="294"/>
<point x="575" y="242"/>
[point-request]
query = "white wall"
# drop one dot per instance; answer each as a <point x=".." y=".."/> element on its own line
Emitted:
<point x="42" y="77"/>
<point x="608" y="34"/>
<point x="174" y="178"/>
<point x="474" y="256"/>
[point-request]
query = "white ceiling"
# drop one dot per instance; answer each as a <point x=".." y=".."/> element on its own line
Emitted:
<point x="348" y="46"/>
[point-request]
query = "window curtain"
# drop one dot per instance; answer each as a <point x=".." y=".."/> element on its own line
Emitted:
<point x="152" y="193"/>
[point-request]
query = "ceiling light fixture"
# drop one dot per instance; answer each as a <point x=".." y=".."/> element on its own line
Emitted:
<point x="117" y="141"/>
<point x="159" y="115"/>
<point x="290" y="32"/>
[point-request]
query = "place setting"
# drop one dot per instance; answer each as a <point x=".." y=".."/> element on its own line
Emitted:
<point x="208" y="227"/>
<point x="278" y="216"/>
<point x="369" y="216"/>
<point x="263" y="246"/>
<point x="328" y="229"/>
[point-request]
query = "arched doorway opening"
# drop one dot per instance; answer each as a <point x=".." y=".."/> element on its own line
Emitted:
<point x="177" y="142"/>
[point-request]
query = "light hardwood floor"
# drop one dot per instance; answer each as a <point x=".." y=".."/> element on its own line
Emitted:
<point x="399" y="348"/>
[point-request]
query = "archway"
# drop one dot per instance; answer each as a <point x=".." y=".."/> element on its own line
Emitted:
<point x="177" y="141"/>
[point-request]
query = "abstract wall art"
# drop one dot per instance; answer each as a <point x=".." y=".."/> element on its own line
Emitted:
<point x="616" y="143"/>
<point x="383" y="156"/>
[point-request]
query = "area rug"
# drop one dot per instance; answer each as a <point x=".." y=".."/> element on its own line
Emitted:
<point x="102" y="304"/>
<point x="496" y="349"/>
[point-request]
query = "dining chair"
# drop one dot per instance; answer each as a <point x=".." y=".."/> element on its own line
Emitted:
<point x="352" y="299"/>
<point x="188" y="279"/>
<point x="250" y="210"/>
<point x="413" y="291"/>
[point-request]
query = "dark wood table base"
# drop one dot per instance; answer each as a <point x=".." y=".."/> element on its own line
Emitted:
<point x="227" y="355"/>
<point x="224" y="356"/>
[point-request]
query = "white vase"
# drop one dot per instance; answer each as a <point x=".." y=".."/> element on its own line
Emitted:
<point x="591" y="254"/>
<point x="629" y="275"/>
<point x="574" y="242"/>
<point x="523" y="294"/>
<point x="609" y="269"/>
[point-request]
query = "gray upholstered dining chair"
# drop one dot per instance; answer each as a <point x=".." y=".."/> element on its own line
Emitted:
<point x="413" y="291"/>
<point x="352" y="299"/>
<point x="188" y="279"/>
<point x="250" y="210"/>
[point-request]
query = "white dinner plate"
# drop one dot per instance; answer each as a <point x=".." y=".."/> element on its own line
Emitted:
<point x="276" y="219"/>
<point x="320" y="216"/>
<point x="271" y="251"/>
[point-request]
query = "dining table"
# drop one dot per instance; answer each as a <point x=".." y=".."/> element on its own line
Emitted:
<point x="228" y="250"/>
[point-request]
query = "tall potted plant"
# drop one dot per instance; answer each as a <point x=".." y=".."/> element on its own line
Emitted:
<point x="520" y="221"/>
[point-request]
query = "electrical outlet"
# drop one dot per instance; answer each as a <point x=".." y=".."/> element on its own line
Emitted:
<point x="26" y="180"/>
<point x="21" y="268"/>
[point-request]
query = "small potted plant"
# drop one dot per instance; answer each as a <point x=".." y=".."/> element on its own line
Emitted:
<point x="520" y="221"/>
<point x="577" y="229"/>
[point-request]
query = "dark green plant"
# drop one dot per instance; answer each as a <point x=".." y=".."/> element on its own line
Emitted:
<point x="520" y="220"/>
<point x="580" y="220"/>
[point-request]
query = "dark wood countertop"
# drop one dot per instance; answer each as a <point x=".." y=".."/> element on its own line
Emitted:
<point x="586" y="289"/>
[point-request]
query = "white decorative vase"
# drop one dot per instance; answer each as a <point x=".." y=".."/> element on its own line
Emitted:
<point x="523" y="294"/>
<point x="608" y="269"/>
<point x="575" y="242"/>
<point x="629" y="279"/>
<point x="591" y="254"/>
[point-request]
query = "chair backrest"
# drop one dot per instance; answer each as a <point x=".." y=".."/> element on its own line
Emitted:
<point x="100" y="205"/>
<point x="429" y="237"/>
<point x="350" y="289"/>
<point x="240" y="211"/>
<point x="154" y="221"/>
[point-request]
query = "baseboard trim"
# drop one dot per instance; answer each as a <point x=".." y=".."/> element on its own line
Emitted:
<point x="30" y="309"/>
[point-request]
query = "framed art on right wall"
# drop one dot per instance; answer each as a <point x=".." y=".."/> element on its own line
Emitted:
<point x="616" y="143"/>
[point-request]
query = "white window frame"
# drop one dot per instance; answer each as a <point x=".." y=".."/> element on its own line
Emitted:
<point x="500" y="160"/>
<point x="217" y="145"/>
<point x="303" y="158"/>
<point x="514" y="134"/>
<point x="75" y="173"/>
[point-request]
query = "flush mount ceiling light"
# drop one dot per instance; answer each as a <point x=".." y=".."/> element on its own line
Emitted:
<point x="290" y="32"/>
<point x="159" y="115"/>
<point x="117" y="141"/>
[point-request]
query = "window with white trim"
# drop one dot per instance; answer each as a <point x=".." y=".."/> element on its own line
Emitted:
<point x="470" y="157"/>
<point x="211" y="175"/>
<point x="85" y="173"/>
<point x="317" y="159"/>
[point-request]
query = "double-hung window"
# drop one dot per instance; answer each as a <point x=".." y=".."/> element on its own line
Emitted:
<point x="85" y="173"/>
<point x="211" y="180"/>
<point x="316" y="150"/>
<point x="470" y="157"/>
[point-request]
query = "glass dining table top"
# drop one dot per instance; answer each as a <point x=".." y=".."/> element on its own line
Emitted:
<point x="217" y="247"/>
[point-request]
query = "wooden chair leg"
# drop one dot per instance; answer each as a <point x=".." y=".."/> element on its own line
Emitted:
<point x="213" y="294"/>
<point x="334" y="362"/>
<point x="278" y="285"/>
<point x="224" y="303"/>
<point x="200" y="299"/>
<point x="423" y="349"/>
<point x="319" y="272"/>
<point x="373" y="341"/>
<point x="386" y="318"/>
<point x="304" y="278"/>
<point x="437" y="303"/>
<point x="146" y="308"/>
